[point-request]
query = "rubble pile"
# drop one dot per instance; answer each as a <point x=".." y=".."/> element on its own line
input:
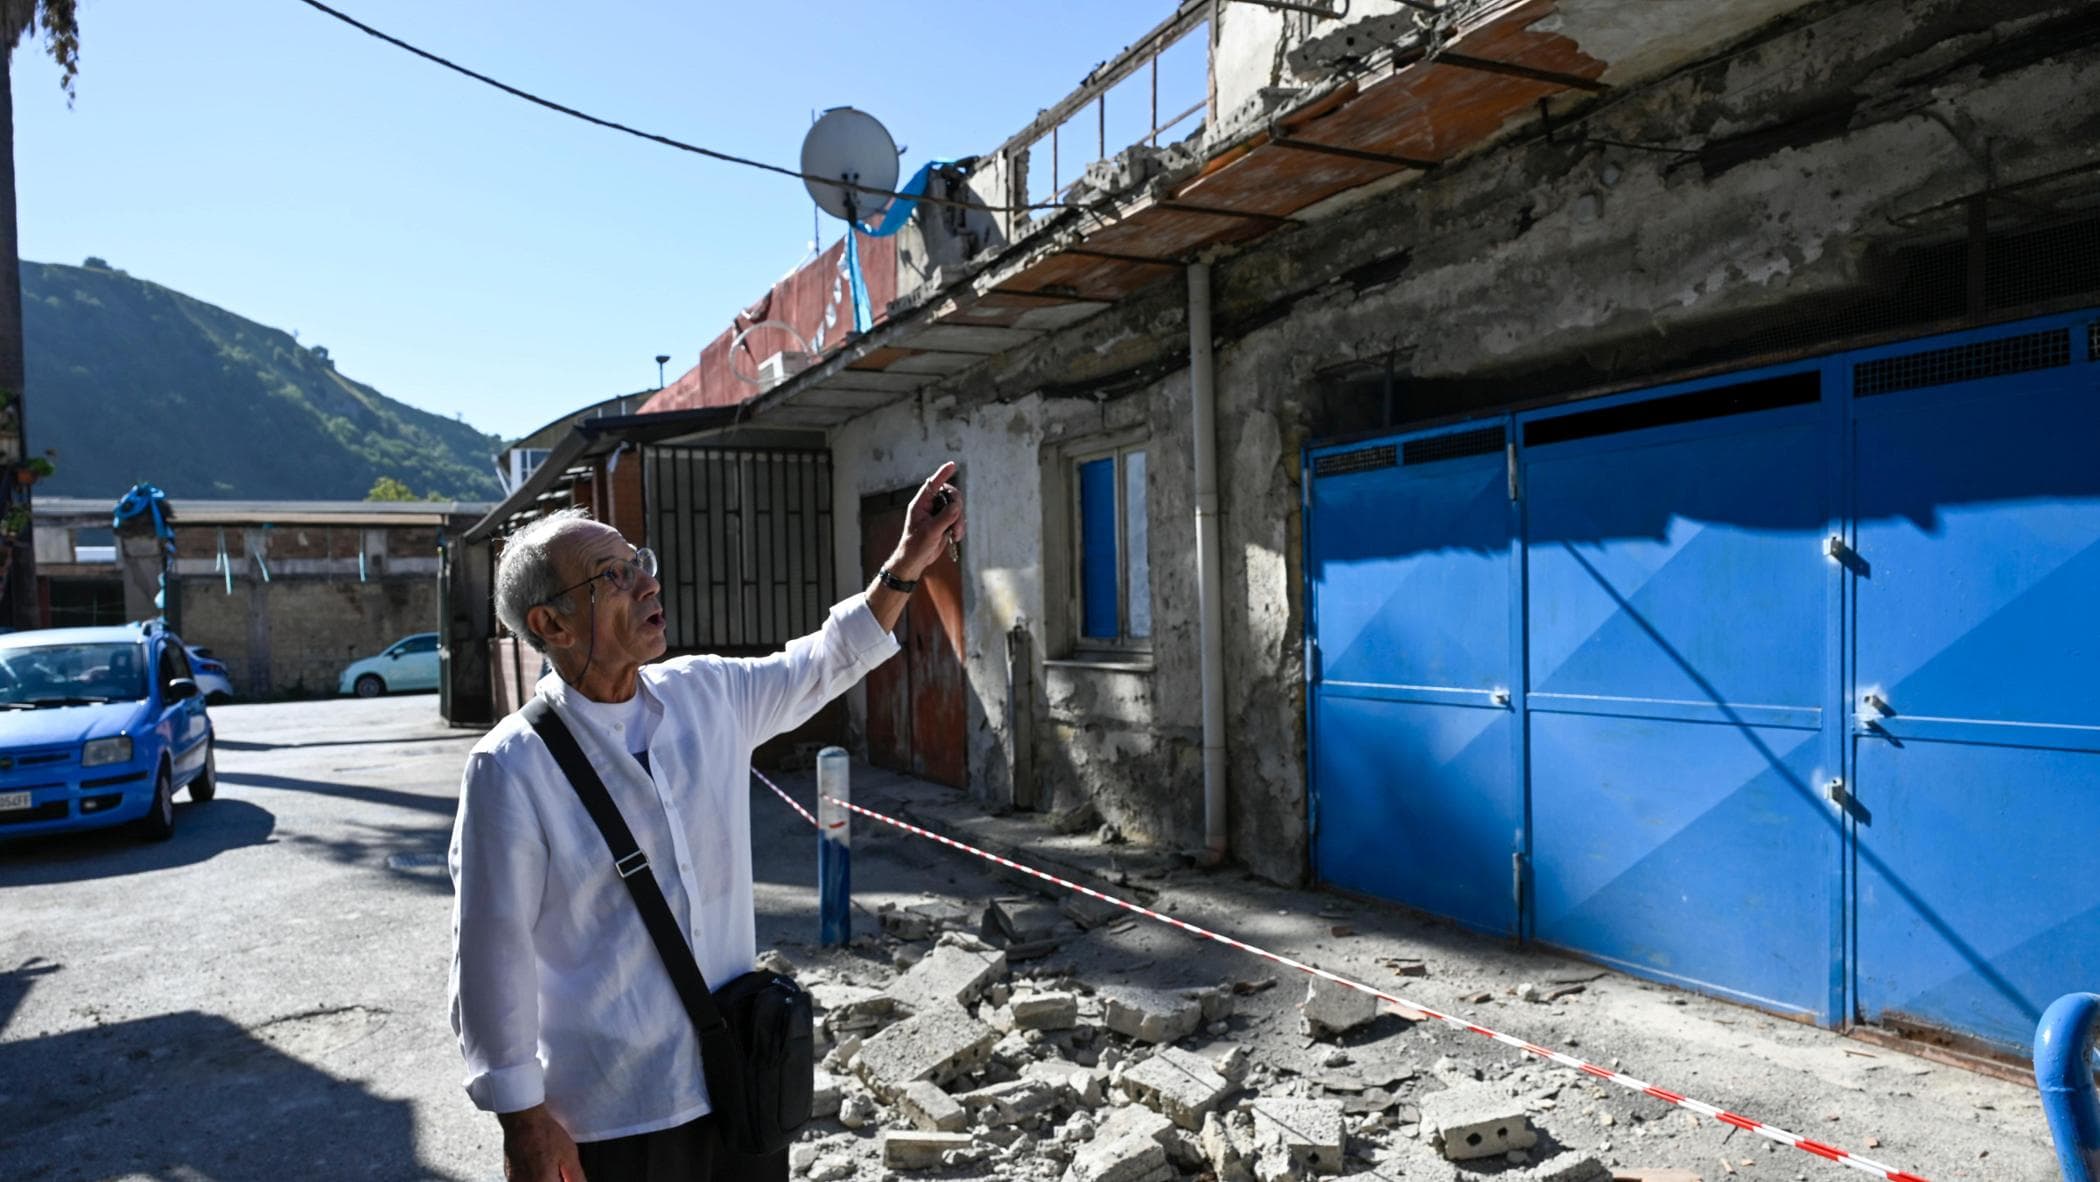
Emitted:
<point x="973" y="1053"/>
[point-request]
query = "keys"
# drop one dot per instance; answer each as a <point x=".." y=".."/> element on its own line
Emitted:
<point x="940" y="506"/>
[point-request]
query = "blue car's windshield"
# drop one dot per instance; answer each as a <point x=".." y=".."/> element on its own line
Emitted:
<point x="71" y="675"/>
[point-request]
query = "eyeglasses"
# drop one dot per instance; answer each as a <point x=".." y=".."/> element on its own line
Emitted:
<point x="623" y="574"/>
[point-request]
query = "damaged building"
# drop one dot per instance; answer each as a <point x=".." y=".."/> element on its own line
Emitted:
<point x="1582" y="468"/>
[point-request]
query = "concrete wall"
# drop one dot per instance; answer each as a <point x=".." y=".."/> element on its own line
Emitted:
<point x="293" y="632"/>
<point x="1535" y="269"/>
<point x="293" y="635"/>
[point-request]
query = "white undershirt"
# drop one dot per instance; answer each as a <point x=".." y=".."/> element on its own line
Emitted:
<point x="630" y="721"/>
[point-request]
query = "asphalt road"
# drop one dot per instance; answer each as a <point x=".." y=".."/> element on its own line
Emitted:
<point x="263" y="997"/>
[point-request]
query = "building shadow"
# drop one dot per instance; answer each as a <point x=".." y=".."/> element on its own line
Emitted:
<point x="202" y="832"/>
<point x="195" y="1097"/>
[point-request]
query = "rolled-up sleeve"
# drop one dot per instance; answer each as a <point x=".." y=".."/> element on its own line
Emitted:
<point x="499" y="863"/>
<point x="780" y="692"/>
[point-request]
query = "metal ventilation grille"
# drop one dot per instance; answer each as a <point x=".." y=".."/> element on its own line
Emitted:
<point x="1484" y="441"/>
<point x="1363" y="459"/>
<point x="1963" y="363"/>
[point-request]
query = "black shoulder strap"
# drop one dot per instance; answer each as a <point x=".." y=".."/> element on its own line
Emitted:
<point x="633" y="869"/>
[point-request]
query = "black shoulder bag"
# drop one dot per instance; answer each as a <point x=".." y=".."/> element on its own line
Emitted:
<point x="757" y="1040"/>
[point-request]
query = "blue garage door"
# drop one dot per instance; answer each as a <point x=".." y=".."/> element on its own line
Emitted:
<point x="1679" y="605"/>
<point x="1413" y="751"/>
<point x="1977" y="705"/>
<point x="1805" y="671"/>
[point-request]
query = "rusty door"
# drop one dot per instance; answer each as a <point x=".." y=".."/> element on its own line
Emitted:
<point x="916" y="712"/>
<point x="889" y="684"/>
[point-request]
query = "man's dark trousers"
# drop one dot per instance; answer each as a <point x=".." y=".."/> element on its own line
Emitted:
<point x="689" y="1153"/>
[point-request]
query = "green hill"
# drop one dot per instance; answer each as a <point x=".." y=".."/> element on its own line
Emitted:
<point x="131" y="381"/>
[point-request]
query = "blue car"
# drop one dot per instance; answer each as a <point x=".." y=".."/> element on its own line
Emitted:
<point x="99" y="727"/>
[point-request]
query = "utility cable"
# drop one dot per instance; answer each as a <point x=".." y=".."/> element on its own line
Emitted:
<point x="665" y="140"/>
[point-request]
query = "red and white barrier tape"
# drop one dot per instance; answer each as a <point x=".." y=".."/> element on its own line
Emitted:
<point x="1770" y="1132"/>
<point x="791" y="802"/>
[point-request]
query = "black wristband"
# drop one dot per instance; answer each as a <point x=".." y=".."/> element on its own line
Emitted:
<point x="896" y="584"/>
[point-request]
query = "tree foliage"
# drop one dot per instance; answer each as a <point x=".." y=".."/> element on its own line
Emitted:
<point x="60" y="21"/>
<point x="386" y="488"/>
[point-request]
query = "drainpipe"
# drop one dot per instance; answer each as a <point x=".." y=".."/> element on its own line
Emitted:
<point x="1203" y="393"/>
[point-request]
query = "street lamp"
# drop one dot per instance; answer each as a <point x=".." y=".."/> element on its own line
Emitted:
<point x="660" y="359"/>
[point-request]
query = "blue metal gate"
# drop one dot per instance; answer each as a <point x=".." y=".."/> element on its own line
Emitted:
<point x="1409" y="558"/>
<point x="1977" y="683"/>
<point x="1678" y="608"/>
<point x="1783" y="685"/>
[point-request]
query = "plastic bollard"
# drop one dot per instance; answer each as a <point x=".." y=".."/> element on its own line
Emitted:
<point x="834" y="849"/>
<point x="2063" y="1070"/>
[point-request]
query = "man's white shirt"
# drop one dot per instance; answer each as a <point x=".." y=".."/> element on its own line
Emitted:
<point x="558" y="994"/>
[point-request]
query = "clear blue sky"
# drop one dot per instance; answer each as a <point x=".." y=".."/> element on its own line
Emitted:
<point x="466" y="252"/>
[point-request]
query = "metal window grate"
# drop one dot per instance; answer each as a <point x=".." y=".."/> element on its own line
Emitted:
<point x="1963" y="363"/>
<point x="1479" y="442"/>
<point x="744" y="544"/>
<point x="1363" y="459"/>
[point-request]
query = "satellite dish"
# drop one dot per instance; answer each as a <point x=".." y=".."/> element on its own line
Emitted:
<point x="854" y="147"/>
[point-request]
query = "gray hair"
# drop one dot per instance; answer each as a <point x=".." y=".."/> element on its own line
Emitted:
<point x="525" y="575"/>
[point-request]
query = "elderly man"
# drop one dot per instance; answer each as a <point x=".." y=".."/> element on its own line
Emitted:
<point x="573" y="1033"/>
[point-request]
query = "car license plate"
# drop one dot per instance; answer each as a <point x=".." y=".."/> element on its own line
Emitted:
<point x="13" y="800"/>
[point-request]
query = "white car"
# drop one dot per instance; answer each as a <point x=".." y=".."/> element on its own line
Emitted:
<point x="410" y="663"/>
<point x="210" y="675"/>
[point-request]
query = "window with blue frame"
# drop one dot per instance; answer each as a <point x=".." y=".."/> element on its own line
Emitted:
<point x="1114" y="568"/>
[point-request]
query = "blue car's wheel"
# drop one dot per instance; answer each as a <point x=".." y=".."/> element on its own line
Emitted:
<point x="159" y="822"/>
<point x="206" y="785"/>
<point x="370" y="686"/>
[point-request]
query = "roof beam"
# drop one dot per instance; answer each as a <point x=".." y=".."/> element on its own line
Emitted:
<point x="1297" y="145"/>
<point x="1516" y="70"/>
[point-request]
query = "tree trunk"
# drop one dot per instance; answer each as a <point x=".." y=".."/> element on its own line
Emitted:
<point x="21" y="601"/>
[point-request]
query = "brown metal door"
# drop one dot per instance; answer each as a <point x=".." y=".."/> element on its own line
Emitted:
<point x="937" y="715"/>
<point x="916" y="712"/>
<point x="889" y="684"/>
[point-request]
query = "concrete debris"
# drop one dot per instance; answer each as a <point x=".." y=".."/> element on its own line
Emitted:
<point x="831" y="1168"/>
<point x="937" y="1045"/>
<point x="920" y="1150"/>
<point x="1045" y="1011"/>
<point x="1012" y="1102"/>
<point x="851" y="1009"/>
<point x="1013" y="1050"/>
<point x="1088" y="912"/>
<point x="841" y="1056"/>
<point x="1476" y="1121"/>
<point x="1330" y="1009"/>
<point x="1571" y="1166"/>
<point x="1020" y="921"/>
<point x="1120" y="1159"/>
<point x="773" y="961"/>
<point x="857" y="1110"/>
<point x="1317" y="57"/>
<point x="1178" y="1084"/>
<point x="1233" y="1063"/>
<point x="1310" y="1130"/>
<point x="1084" y="1087"/>
<point x="825" y="1095"/>
<point x="931" y="1109"/>
<point x="951" y="974"/>
<point x="1150" y="1015"/>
